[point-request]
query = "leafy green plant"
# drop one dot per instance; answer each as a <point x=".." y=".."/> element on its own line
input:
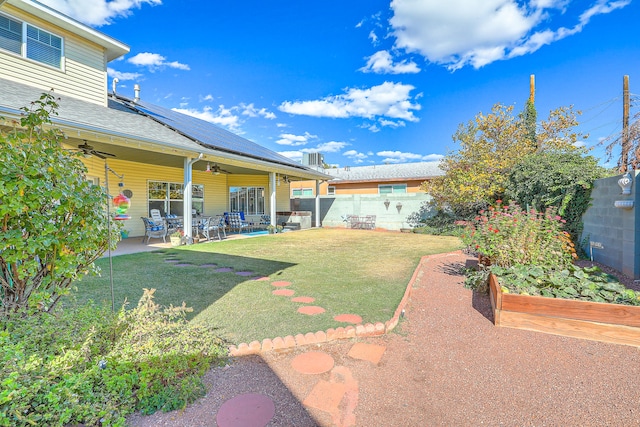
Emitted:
<point x="572" y="282"/>
<point x="53" y="222"/>
<point x="561" y="179"/>
<point x="506" y="235"/>
<point x="91" y="366"/>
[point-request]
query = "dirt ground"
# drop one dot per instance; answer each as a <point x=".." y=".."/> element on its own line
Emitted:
<point x="446" y="364"/>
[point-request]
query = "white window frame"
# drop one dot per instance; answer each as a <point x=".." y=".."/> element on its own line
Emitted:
<point x="240" y="199"/>
<point x="393" y="188"/>
<point x="197" y="196"/>
<point x="302" y="191"/>
<point x="24" y="47"/>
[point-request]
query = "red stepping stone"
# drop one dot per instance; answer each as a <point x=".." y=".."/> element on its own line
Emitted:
<point x="313" y="362"/>
<point x="348" y="318"/>
<point x="369" y="352"/>
<point x="284" y="292"/>
<point x="305" y="300"/>
<point x="280" y="284"/>
<point x="326" y="396"/>
<point x="262" y="279"/>
<point x="250" y="409"/>
<point x="311" y="310"/>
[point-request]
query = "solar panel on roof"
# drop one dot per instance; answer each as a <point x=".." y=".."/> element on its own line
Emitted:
<point x="209" y="134"/>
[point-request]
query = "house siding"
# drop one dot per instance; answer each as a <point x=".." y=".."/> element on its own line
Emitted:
<point x="84" y="72"/>
<point x="137" y="175"/>
<point x="362" y="187"/>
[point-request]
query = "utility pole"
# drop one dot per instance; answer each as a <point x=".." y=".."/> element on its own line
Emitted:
<point x="532" y="88"/>
<point x="626" y="144"/>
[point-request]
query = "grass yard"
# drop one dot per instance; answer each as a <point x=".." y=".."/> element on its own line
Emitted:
<point x="346" y="271"/>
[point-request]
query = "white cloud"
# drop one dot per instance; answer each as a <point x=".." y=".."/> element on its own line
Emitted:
<point x="391" y="100"/>
<point x="295" y="140"/>
<point x="122" y="76"/>
<point x="381" y="62"/>
<point x="207" y="97"/>
<point x="222" y="116"/>
<point x="97" y="12"/>
<point x="329" y="147"/>
<point x="155" y="61"/>
<point x="400" y="157"/>
<point x="391" y="123"/>
<point x="251" y="111"/>
<point x="355" y="156"/>
<point x="457" y="33"/>
<point x="326" y="147"/>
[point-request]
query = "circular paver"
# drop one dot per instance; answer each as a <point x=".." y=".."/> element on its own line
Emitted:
<point x="183" y="264"/>
<point x="262" y="278"/>
<point x="284" y="292"/>
<point x="348" y="318"/>
<point x="224" y="270"/>
<point x="251" y="409"/>
<point x="171" y="260"/>
<point x="311" y="310"/>
<point x="313" y="362"/>
<point x="280" y="283"/>
<point x="305" y="300"/>
<point x="244" y="273"/>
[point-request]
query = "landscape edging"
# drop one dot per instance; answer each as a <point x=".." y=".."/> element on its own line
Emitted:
<point x="331" y="334"/>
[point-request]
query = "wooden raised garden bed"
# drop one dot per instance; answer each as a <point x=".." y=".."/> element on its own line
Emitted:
<point x="613" y="323"/>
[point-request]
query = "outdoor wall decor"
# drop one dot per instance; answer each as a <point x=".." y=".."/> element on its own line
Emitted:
<point x="625" y="183"/>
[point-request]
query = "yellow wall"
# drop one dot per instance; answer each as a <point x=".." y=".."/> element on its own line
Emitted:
<point x="84" y="71"/>
<point x="137" y="175"/>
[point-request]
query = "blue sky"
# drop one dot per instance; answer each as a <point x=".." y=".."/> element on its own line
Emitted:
<point x="370" y="81"/>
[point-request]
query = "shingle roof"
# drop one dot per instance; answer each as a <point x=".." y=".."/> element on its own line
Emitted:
<point x="421" y="170"/>
<point x="146" y="122"/>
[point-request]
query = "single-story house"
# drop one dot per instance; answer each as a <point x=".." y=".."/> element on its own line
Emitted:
<point x="161" y="158"/>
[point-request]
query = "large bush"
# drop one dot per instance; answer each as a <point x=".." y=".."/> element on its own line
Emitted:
<point x="560" y="179"/>
<point x="53" y="222"/>
<point x="93" y="367"/>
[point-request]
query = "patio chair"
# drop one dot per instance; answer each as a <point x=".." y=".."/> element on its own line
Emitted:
<point x="265" y="221"/>
<point x="209" y="225"/>
<point x="236" y="223"/>
<point x="153" y="229"/>
<point x="370" y="222"/>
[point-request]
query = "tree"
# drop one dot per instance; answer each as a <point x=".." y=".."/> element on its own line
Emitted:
<point x="53" y="221"/>
<point x="560" y="179"/>
<point x="490" y="146"/>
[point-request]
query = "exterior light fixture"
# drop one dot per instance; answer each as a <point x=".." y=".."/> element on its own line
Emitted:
<point x="387" y="203"/>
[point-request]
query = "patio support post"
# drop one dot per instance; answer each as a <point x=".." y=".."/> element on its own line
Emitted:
<point x="318" y="203"/>
<point x="187" y="218"/>
<point x="272" y="198"/>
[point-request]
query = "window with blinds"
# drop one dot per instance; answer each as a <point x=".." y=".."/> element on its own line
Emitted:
<point x="30" y="42"/>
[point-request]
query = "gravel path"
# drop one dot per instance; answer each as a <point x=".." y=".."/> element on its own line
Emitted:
<point x="444" y="365"/>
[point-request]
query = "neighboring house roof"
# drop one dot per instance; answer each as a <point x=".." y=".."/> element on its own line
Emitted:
<point x="113" y="48"/>
<point x="129" y="125"/>
<point x="391" y="172"/>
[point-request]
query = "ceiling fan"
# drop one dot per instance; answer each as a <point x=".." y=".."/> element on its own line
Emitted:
<point x="88" y="150"/>
<point x="215" y="169"/>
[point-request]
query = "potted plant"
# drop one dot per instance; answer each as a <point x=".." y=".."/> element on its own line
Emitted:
<point x="177" y="238"/>
<point x="271" y="229"/>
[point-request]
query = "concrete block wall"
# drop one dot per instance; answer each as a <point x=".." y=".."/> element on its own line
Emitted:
<point x="334" y="208"/>
<point x="617" y="229"/>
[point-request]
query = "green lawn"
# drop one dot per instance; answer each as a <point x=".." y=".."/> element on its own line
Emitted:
<point x="346" y="271"/>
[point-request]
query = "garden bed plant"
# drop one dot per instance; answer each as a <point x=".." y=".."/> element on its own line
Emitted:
<point x="531" y="254"/>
